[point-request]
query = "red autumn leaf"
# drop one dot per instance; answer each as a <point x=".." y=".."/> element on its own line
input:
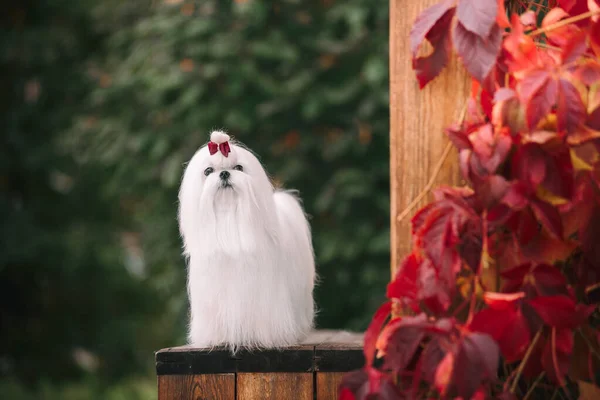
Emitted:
<point x="477" y="16"/>
<point x="419" y="218"/>
<point x="574" y="48"/>
<point x="595" y="37"/>
<point x="474" y="361"/>
<point x="589" y="235"/>
<point x="507" y="395"/>
<point x="547" y="280"/>
<point x="560" y="179"/>
<point x="501" y="18"/>
<point x="556" y="357"/>
<point x="470" y="248"/>
<point x="354" y="385"/>
<point x="432" y="355"/>
<point x="502" y="301"/>
<point x="524" y="227"/>
<point x="549" y="217"/>
<point x="487" y="103"/>
<point x="459" y="138"/>
<point x="474" y="117"/>
<point x="559" y="36"/>
<point x="400" y="340"/>
<point x="570" y="111"/>
<point x="433" y="24"/>
<point x="559" y="311"/>
<point x="425" y="23"/>
<point x="373" y="331"/>
<point x="521" y="51"/>
<point x="478" y="54"/>
<point x="545" y="248"/>
<point x="431" y="237"/>
<point x="539" y="280"/>
<point x="434" y="291"/>
<point x="538" y="91"/>
<point x="490" y="150"/>
<point x="443" y="373"/>
<point x="504" y="94"/>
<point x="529" y="165"/>
<point x="507" y="326"/>
<point x="417" y="280"/>
<point x="346" y="394"/>
<point x="437" y="233"/>
<point x="566" y="4"/>
<point x="404" y="285"/>
<point x="580" y="7"/>
<point x="491" y="190"/>
<point x="528" y="19"/>
<point x="514" y="277"/>
<point x="588" y="71"/>
<point x="577" y="213"/>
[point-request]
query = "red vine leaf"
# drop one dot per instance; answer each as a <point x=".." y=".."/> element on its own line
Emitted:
<point x="570" y="110"/>
<point x="556" y="357"/>
<point x="506" y="324"/>
<point x="478" y="54"/>
<point x="432" y="24"/>
<point x="560" y="311"/>
<point x="463" y="371"/>
<point x="501" y="18"/>
<point x="566" y="4"/>
<point x="373" y="331"/>
<point x="574" y="48"/>
<point x="400" y="340"/>
<point x="538" y="91"/>
<point x="477" y="16"/>
<point x="549" y="217"/>
<point x="595" y="37"/>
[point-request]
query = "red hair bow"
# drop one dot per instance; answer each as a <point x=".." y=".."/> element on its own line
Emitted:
<point x="223" y="147"/>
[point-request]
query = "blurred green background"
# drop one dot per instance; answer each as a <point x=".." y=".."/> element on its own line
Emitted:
<point x="101" y="104"/>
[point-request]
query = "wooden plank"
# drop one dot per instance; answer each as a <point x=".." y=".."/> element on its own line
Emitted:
<point x="342" y="352"/>
<point x="195" y="387"/>
<point x="417" y="122"/>
<point x="327" y="385"/>
<point x="338" y="350"/>
<point x="275" y="386"/>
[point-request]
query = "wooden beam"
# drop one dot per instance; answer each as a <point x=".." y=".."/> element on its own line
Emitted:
<point x="417" y="122"/>
<point x="311" y="370"/>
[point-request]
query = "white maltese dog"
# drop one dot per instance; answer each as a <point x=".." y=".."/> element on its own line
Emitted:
<point x="251" y="268"/>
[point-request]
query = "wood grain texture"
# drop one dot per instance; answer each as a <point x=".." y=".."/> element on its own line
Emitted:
<point x="417" y="122"/>
<point x="196" y="387"/>
<point x="275" y="386"/>
<point x="327" y="385"/>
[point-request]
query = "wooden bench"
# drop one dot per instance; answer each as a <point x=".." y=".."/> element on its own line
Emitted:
<point x="311" y="370"/>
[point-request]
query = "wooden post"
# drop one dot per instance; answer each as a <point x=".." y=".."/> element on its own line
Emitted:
<point x="312" y="370"/>
<point x="417" y="122"/>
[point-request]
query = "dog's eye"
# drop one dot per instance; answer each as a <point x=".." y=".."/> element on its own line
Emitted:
<point x="208" y="171"/>
<point x="238" y="168"/>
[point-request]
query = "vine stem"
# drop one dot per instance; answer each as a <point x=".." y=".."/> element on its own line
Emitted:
<point x="436" y="171"/>
<point x="538" y="380"/>
<point x="513" y="387"/>
<point x="483" y="264"/>
<point x="429" y="185"/>
<point x="590" y="345"/>
<point x="564" y="22"/>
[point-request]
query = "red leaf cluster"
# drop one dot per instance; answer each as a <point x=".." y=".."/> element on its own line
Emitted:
<point x="506" y="271"/>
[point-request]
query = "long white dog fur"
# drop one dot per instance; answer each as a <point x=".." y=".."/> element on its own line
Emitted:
<point x="251" y="269"/>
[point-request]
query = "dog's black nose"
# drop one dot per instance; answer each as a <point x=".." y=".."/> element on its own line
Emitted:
<point x="224" y="175"/>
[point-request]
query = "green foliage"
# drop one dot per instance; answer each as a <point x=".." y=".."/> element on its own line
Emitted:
<point x="303" y="84"/>
<point x="90" y="256"/>
<point x="65" y="289"/>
